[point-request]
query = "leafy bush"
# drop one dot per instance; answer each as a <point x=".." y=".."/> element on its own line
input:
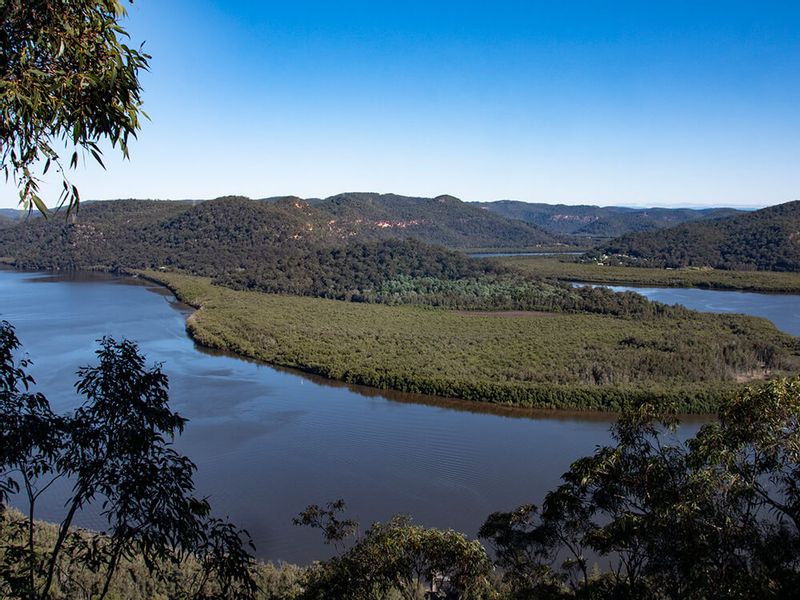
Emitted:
<point x="116" y="449"/>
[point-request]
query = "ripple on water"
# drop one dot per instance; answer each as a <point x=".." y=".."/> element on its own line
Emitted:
<point x="268" y="442"/>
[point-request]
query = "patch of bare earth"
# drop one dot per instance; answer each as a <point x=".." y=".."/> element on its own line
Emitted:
<point x="506" y="313"/>
<point x="754" y="375"/>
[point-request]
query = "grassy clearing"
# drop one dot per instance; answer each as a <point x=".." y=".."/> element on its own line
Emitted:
<point x="560" y="248"/>
<point x="577" y="361"/>
<point x="79" y="578"/>
<point x="756" y="281"/>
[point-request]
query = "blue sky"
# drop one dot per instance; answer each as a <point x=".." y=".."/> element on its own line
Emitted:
<point x="635" y="103"/>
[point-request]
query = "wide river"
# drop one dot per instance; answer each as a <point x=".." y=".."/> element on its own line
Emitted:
<point x="268" y="442"/>
<point x="782" y="309"/>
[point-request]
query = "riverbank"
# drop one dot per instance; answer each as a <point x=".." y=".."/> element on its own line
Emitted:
<point x="576" y="361"/>
<point x="714" y="279"/>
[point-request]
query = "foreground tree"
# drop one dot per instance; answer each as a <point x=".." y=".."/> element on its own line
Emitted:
<point x="397" y="559"/>
<point x="116" y="450"/>
<point x="716" y="517"/>
<point x="67" y="80"/>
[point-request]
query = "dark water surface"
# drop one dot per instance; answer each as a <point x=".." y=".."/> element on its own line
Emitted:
<point x="268" y="442"/>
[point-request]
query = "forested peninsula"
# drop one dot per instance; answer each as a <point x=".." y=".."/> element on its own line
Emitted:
<point x="672" y="357"/>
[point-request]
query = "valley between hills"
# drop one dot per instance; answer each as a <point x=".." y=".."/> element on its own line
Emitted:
<point x="373" y="290"/>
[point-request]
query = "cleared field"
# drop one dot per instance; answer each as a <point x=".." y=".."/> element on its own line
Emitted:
<point x="550" y="360"/>
<point x="551" y="267"/>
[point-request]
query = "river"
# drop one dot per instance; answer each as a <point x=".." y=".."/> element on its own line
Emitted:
<point x="269" y="441"/>
<point x="782" y="309"/>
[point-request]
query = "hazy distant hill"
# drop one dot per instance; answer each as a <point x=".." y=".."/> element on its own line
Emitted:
<point x="9" y="216"/>
<point x="766" y="239"/>
<point x="599" y="221"/>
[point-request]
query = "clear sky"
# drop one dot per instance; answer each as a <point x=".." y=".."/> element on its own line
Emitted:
<point x="636" y="103"/>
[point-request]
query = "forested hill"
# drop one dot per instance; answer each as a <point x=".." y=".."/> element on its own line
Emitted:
<point x="766" y="239"/>
<point x="442" y="220"/>
<point x="292" y="247"/>
<point x="288" y="246"/>
<point x="285" y="245"/>
<point x="599" y="221"/>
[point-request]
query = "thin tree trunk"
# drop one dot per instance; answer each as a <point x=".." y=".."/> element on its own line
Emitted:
<point x="112" y="566"/>
<point x="31" y="549"/>
<point x="62" y="535"/>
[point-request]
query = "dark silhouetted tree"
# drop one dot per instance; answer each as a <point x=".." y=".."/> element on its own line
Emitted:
<point x="116" y="450"/>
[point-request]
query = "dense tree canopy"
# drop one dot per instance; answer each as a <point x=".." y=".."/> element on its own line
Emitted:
<point x="397" y="559"/>
<point x="67" y="79"/>
<point x="766" y="239"/>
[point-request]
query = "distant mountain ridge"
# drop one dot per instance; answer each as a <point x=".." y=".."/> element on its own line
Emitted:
<point x="766" y="239"/>
<point x="10" y="216"/>
<point x="504" y="223"/>
<point x="599" y="221"/>
<point x="443" y="220"/>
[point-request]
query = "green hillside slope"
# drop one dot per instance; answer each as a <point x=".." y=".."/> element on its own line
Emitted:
<point x="767" y="239"/>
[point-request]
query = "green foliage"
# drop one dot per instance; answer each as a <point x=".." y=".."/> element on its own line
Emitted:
<point x="400" y="559"/>
<point x="67" y="77"/>
<point x="334" y="530"/>
<point x="717" y="517"/>
<point x="508" y="292"/>
<point x="546" y="360"/>
<point x="133" y="579"/>
<point x="116" y="449"/>
<point x="763" y="240"/>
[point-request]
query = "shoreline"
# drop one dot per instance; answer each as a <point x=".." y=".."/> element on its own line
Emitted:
<point x="515" y="398"/>
<point x="689" y="400"/>
<point x="760" y="282"/>
<point x="674" y="278"/>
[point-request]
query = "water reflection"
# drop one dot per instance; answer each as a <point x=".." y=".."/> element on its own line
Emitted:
<point x="782" y="309"/>
<point x="269" y="441"/>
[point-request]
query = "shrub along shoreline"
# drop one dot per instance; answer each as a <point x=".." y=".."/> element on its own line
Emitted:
<point x="689" y="364"/>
